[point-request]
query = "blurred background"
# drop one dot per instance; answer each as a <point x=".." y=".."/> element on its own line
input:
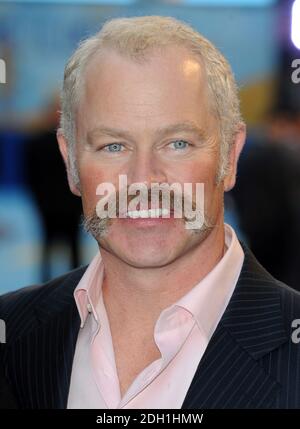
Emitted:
<point x="40" y="236"/>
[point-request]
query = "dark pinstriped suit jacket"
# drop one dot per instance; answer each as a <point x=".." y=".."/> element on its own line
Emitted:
<point x="250" y="362"/>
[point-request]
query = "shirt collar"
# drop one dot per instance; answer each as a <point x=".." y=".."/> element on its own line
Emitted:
<point x="208" y="299"/>
<point x="89" y="289"/>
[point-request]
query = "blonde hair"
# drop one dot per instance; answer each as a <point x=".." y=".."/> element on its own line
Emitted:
<point x="135" y="38"/>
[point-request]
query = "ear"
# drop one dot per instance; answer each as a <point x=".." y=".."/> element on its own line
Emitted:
<point x="63" y="148"/>
<point x="238" y="144"/>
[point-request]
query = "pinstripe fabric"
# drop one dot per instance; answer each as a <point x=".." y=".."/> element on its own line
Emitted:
<point x="42" y="327"/>
<point x="250" y="361"/>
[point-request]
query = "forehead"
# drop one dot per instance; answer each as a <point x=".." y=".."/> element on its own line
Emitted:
<point x="163" y="57"/>
<point x="170" y="63"/>
<point x="170" y="82"/>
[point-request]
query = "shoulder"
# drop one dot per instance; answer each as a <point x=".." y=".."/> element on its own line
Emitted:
<point x="29" y="296"/>
<point x="290" y="303"/>
<point x="266" y="296"/>
<point x="18" y="308"/>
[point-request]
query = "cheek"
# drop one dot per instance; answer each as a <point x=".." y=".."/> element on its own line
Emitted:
<point x="90" y="177"/>
<point x="204" y="171"/>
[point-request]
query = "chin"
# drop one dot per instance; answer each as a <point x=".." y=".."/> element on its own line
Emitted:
<point x="150" y="261"/>
<point x="144" y="254"/>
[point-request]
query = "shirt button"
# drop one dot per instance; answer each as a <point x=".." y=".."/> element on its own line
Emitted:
<point x="89" y="308"/>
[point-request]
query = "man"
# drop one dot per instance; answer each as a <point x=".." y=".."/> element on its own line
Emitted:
<point x="165" y="316"/>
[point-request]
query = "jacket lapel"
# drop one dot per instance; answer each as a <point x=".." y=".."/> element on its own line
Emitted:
<point x="46" y="378"/>
<point x="229" y="374"/>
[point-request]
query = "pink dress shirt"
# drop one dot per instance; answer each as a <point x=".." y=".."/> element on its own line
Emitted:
<point x="182" y="333"/>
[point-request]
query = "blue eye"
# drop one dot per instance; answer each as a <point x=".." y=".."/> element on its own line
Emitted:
<point x="113" y="147"/>
<point x="180" y="144"/>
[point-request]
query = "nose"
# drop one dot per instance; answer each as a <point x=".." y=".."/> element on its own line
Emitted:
<point x="146" y="168"/>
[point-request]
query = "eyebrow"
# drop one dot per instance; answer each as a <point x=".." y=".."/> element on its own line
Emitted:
<point x="189" y="127"/>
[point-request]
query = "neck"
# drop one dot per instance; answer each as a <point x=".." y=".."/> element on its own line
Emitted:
<point x="146" y="292"/>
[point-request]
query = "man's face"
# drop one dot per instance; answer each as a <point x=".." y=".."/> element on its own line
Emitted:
<point x="126" y="126"/>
